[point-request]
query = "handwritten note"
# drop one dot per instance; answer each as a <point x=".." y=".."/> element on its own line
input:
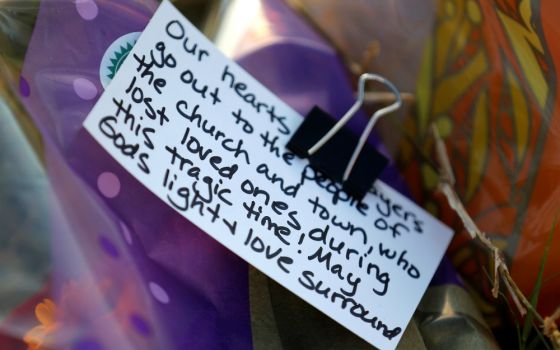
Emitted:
<point x="209" y="140"/>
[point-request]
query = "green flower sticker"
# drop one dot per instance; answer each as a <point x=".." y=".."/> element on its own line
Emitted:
<point x="119" y="59"/>
<point x="114" y="57"/>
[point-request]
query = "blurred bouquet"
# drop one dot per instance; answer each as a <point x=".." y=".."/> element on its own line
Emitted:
<point x="98" y="263"/>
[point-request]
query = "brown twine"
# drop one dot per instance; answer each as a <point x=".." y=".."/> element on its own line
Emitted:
<point x="446" y="182"/>
<point x="550" y="329"/>
<point x="497" y="262"/>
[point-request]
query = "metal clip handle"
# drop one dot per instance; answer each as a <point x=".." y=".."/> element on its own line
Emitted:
<point x="378" y="114"/>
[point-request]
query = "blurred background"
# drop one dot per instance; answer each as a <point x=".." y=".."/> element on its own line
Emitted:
<point x="483" y="72"/>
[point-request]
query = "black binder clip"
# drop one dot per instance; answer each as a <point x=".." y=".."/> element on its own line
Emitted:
<point x="335" y="151"/>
